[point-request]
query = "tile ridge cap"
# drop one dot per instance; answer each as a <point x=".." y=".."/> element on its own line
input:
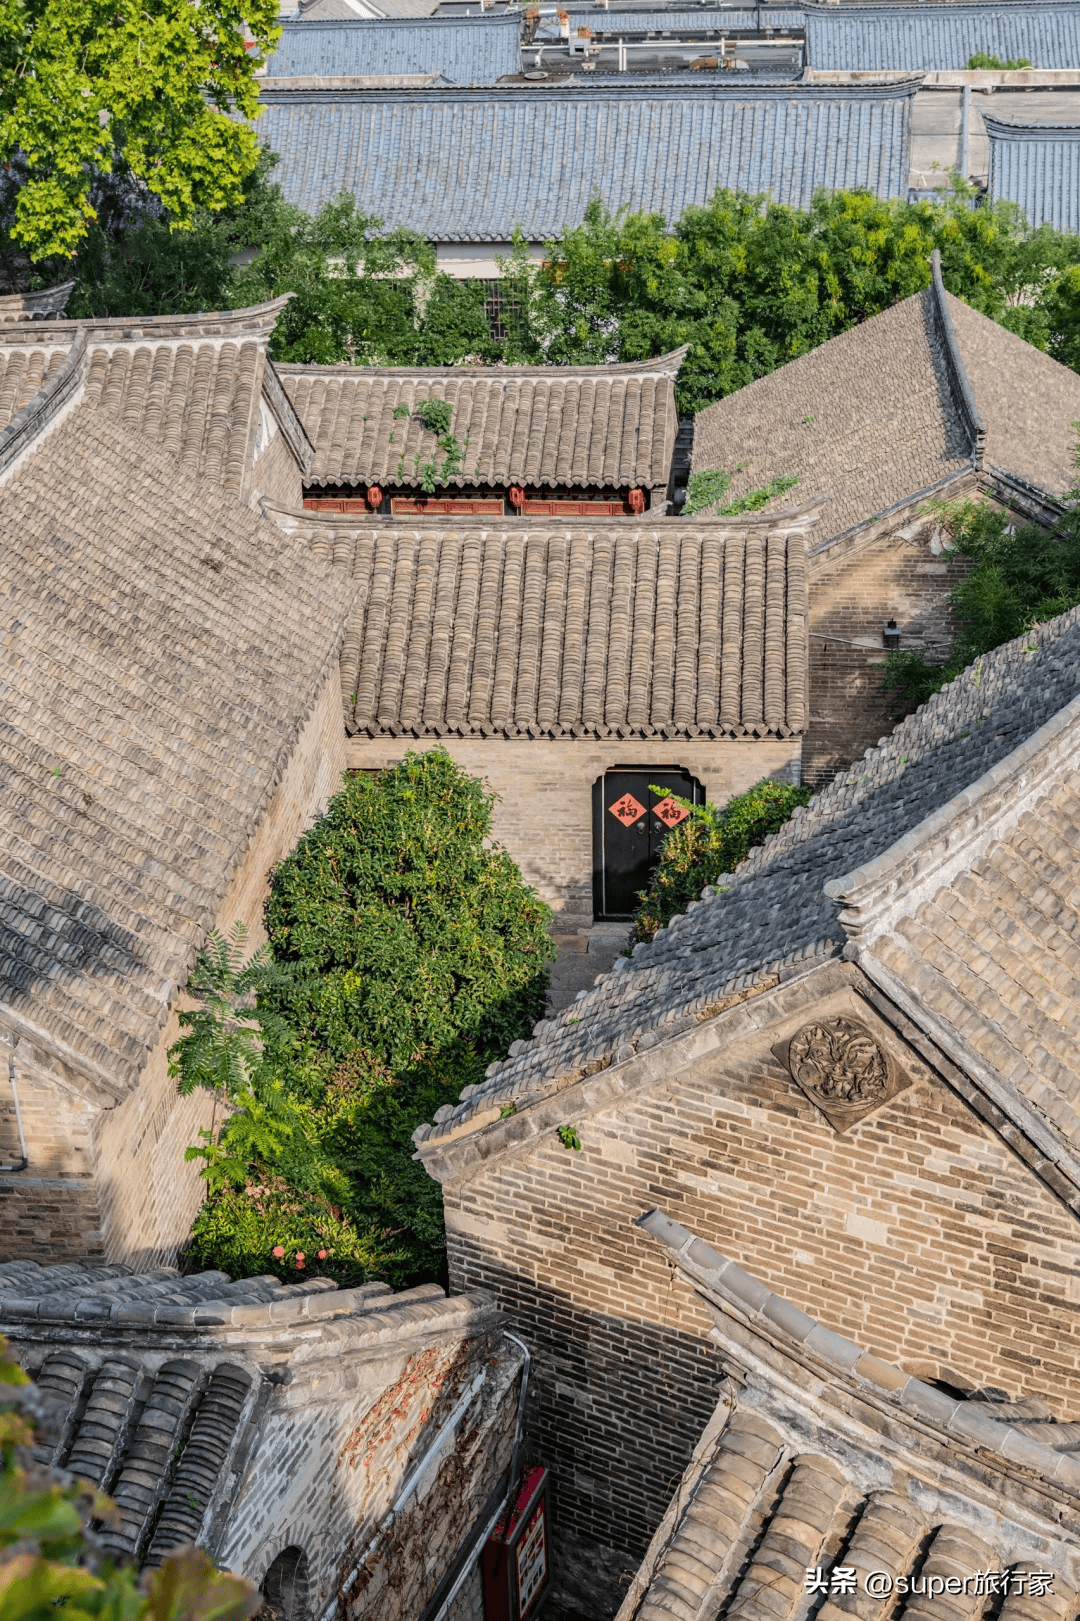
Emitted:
<point x="930" y="837"/>
<point x="762" y="1306"/>
<point x="959" y="382"/>
<point x="44" y="410"/>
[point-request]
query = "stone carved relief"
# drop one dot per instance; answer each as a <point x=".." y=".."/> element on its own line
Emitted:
<point x="843" y="1069"/>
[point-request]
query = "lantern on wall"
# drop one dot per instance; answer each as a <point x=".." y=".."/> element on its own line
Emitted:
<point x="374" y="497"/>
<point x="637" y="500"/>
<point x="517" y="496"/>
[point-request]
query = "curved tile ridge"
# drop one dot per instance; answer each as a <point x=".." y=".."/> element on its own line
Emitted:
<point x="84" y="1296"/>
<point x="293" y="430"/>
<point x="51" y="301"/>
<point x="776" y="917"/>
<point x="666" y="365"/>
<point x="963" y="393"/>
<point x="44" y="410"/>
<point x="256" y="321"/>
<point x="808" y="1337"/>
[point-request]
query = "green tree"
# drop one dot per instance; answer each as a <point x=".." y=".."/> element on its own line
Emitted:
<point x="1020" y="576"/>
<point x="1060" y="307"/>
<point x="410" y="932"/>
<point x="711" y="841"/>
<point x="81" y="84"/>
<point x="407" y="954"/>
<point x="276" y="1191"/>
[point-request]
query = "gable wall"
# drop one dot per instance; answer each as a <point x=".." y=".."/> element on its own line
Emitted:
<point x="275" y="474"/>
<point x="116" y="1182"/>
<point x="898" y="570"/>
<point x="334" y="1450"/>
<point x="916" y="1233"/>
<point x="544" y="814"/>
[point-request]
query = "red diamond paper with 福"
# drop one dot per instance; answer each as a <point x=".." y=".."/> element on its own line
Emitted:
<point x="670" y="812"/>
<point x="627" y="809"/>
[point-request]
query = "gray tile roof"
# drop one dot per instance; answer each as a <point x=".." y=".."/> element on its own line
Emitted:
<point x="465" y="165"/>
<point x="154" y="1375"/>
<point x="190" y="383"/>
<point x="773" y="913"/>
<point x="156" y="669"/>
<point x="463" y="50"/>
<point x="697" y="21"/>
<point x="1037" y="165"/>
<point x="935" y="37"/>
<point x="583" y="632"/>
<point x="570" y="426"/>
<point x="884" y="411"/>
<point x="791" y="1475"/>
<point x="321" y="10"/>
<point x="52" y="301"/>
<point x="975" y="917"/>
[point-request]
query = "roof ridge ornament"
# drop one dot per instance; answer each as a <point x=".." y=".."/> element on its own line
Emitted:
<point x="959" y="382"/>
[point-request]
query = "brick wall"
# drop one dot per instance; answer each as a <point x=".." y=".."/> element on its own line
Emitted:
<point x="276" y="475"/>
<point x="336" y="1449"/>
<point x="543" y="815"/>
<point x="916" y="1233"/>
<point x="109" y="1178"/>
<point x="898" y="569"/>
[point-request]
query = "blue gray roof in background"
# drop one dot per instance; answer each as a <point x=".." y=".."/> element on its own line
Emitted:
<point x="698" y="21"/>
<point x="1037" y="166"/>
<point x="935" y="38"/>
<point x="465" y="50"/>
<point x="462" y="165"/>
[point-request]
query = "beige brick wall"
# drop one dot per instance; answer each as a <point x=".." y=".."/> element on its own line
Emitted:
<point x="116" y="1182"/>
<point x="899" y="572"/>
<point x="543" y="814"/>
<point x="334" y="1452"/>
<point x="916" y="1233"/>
<point x="277" y="476"/>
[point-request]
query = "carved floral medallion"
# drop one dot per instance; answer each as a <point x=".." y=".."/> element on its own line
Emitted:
<point x="842" y="1067"/>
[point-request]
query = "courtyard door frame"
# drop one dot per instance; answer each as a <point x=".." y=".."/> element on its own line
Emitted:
<point x="687" y="785"/>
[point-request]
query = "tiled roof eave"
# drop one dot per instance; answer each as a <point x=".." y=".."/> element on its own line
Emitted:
<point x="889" y="89"/>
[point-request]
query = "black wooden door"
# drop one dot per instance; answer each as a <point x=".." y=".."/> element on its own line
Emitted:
<point x="630" y="824"/>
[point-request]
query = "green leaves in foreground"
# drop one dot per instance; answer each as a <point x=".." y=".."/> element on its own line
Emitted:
<point x="159" y="85"/>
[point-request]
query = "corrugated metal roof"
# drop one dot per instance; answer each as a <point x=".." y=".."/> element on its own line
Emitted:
<point x="461" y="165"/>
<point x="1037" y="166"/>
<point x="933" y="38"/>
<point x="698" y="21"/>
<point x="465" y="50"/>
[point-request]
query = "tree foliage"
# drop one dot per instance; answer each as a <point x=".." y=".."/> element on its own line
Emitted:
<point x="405" y="953"/>
<point x="1021" y="575"/>
<point x="744" y="282"/>
<point x="710" y="841"/>
<point x="82" y="83"/>
<point x="50" y="1559"/>
<point x="749" y="283"/>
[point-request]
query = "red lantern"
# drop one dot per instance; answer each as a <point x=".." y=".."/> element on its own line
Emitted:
<point x="374" y="496"/>
<point x="637" y="500"/>
<point x="517" y="495"/>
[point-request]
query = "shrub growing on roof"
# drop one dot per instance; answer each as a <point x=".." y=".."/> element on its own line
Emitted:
<point x="712" y="840"/>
